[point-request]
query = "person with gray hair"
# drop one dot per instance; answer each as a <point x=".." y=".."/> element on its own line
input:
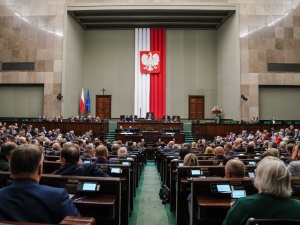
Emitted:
<point x="88" y="152"/>
<point x="282" y="147"/>
<point x="235" y="168"/>
<point x="273" y="201"/>
<point x="22" y="140"/>
<point x="122" y="153"/>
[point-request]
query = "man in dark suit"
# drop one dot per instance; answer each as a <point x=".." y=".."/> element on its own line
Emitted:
<point x="69" y="158"/>
<point x="51" y="205"/>
<point x="166" y="119"/>
<point x="273" y="120"/>
<point x="150" y="116"/>
<point x="102" y="156"/>
<point x="5" y="154"/>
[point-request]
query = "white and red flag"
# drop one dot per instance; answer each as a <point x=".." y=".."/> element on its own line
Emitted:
<point x="150" y="72"/>
<point x="81" y="104"/>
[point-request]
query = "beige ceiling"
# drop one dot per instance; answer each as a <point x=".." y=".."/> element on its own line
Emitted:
<point x="151" y="18"/>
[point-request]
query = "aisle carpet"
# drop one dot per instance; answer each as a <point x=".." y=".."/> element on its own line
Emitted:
<point x="148" y="209"/>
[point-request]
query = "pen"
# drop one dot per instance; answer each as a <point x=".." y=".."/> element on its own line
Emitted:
<point x="80" y="198"/>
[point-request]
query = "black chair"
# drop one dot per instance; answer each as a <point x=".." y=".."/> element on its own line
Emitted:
<point x="252" y="221"/>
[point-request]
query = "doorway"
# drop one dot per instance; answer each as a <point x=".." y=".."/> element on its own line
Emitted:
<point x="196" y="107"/>
<point x="103" y="106"/>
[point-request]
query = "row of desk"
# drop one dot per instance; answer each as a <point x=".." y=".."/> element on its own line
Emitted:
<point x="113" y="204"/>
<point x="204" y="204"/>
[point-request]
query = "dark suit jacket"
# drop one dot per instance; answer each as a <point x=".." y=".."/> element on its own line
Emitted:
<point x="4" y="164"/>
<point x="105" y="161"/>
<point x="27" y="201"/>
<point x="87" y="169"/>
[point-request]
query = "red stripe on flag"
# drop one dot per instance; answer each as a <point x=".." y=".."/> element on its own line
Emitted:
<point x="158" y="81"/>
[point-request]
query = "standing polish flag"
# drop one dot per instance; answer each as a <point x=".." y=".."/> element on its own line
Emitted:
<point x="81" y="107"/>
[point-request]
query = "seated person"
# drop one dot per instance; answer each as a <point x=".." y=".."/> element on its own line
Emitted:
<point x="102" y="156"/>
<point x="219" y="153"/>
<point x="51" y="205"/>
<point x="150" y="116"/>
<point x="169" y="147"/>
<point x="209" y="151"/>
<point x="133" y="118"/>
<point x="131" y="146"/>
<point x="190" y="160"/>
<point x="69" y="159"/>
<point x="39" y="119"/>
<point x="5" y="154"/>
<point x="235" y="168"/>
<point x="176" y="119"/>
<point x="183" y="152"/>
<point x="56" y="149"/>
<point x="228" y="150"/>
<point x="294" y="166"/>
<point x="88" y="152"/>
<point x="125" y="118"/>
<point x="122" y="153"/>
<point x="166" y="119"/>
<point x="270" y="152"/>
<point x="273" y="201"/>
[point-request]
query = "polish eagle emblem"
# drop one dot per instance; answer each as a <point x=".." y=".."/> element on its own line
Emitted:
<point x="150" y="61"/>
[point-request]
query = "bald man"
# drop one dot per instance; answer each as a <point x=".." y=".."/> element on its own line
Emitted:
<point x="235" y="168"/>
<point x="219" y="153"/>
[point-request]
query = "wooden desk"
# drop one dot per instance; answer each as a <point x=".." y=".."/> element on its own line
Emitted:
<point x="205" y="203"/>
<point x="151" y="124"/>
<point x="210" y="130"/>
<point x="100" y="204"/>
<point x="68" y="220"/>
<point x="99" y="129"/>
<point x="127" y="189"/>
<point x="209" y="201"/>
<point x="108" y="198"/>
<point x="50" y="166"/>
<point x="104" y="205"/>
<point x="150" y="137"/>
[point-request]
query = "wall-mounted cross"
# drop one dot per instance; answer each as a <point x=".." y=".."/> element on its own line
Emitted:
<point x="103" y="90"/>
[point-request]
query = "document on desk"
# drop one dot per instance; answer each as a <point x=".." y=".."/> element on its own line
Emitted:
<point x="71" y="196"/>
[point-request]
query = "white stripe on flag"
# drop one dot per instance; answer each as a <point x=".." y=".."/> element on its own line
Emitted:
<point x="142" y="81"/>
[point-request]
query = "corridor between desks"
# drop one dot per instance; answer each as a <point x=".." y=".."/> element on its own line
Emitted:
<point x="148" y="209"/>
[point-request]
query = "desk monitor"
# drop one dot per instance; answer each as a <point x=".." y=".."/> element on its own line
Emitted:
<point x="180" y="164"/>
<point x="252" y="163"/>
<point x="220" y="188"/>
<point x="125" y="163"/>
<point x="238" y="194"/>
<point x="88" y="186"/>
<point x="251" y="174"/>
<point x="196" y="173"/>
<point x="86" y="161"/>
<point x="116" y="170"/>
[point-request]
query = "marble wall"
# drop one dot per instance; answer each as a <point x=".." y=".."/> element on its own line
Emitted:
<point x="32" y="30"/>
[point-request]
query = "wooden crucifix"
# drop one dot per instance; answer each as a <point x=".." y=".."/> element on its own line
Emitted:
<point x="103" y="90"/>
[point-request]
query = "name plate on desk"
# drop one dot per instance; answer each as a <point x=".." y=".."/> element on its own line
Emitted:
<point x="126" y="133"/>
<point x="170" y="133"/>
